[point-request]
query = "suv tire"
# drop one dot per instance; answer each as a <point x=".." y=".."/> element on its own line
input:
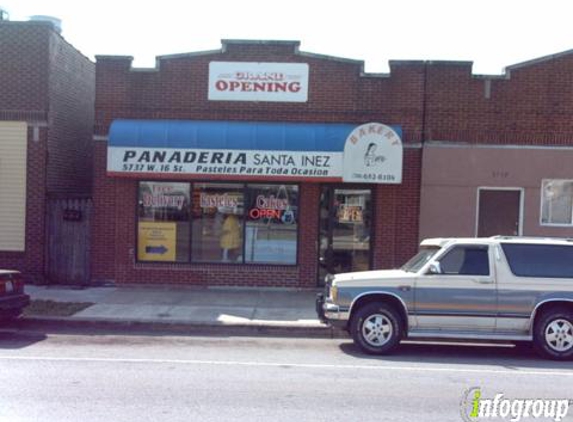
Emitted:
<point x="553" y="334"/>
<point x="376" y="328"/>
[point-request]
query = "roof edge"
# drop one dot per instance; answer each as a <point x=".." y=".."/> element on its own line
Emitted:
<point x="333" y="58"/>
<point x="113" y="57"/>
<point x="260" y="42"/>
<point x="184" y="55"/>
<point x="539" y="60"/>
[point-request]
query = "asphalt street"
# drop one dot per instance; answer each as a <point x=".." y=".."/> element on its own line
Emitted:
<point x="139" y="377"/>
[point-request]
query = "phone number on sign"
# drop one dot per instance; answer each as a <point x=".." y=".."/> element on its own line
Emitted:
<point x="374" y="176"/>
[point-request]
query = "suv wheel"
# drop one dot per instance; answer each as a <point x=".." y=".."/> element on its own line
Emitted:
<point x="376" y="328"/>
<point x="553" y="335"/>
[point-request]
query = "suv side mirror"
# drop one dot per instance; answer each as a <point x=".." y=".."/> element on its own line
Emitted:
<point x="435" y="268"/>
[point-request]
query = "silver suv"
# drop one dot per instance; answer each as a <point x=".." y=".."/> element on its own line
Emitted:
<point x="498" y="288"/>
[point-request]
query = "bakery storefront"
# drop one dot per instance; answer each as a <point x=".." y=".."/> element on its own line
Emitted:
<point x="236" y="198"/>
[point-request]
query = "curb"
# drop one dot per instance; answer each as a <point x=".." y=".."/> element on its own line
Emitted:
<point x="115" y="326"/>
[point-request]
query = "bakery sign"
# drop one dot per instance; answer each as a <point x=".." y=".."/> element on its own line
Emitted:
<point x="373" y="153"/>
<point x="249" y="81"/>
<point x="227" y="163"/>
<point x="368" y="153"/>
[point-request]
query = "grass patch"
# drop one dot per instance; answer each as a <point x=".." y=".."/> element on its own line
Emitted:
<point x="53" y="308"/>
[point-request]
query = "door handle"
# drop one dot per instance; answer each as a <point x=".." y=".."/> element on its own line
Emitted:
<point x="484" y="280"/>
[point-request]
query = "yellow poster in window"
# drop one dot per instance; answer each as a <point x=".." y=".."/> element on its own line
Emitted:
<point x="350" y="214"/>
<point x="157" y="241"/>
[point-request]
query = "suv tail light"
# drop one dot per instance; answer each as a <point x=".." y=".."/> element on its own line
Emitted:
<point x="11" y="283"/>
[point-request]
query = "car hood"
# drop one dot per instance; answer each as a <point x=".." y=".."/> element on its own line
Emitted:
<point x="372" y="275"/>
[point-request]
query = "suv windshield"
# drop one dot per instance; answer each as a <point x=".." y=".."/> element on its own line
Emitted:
<point x="418" y="261"/>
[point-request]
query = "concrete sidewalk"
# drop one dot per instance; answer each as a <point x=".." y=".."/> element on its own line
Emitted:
<point x="281" y="311"/>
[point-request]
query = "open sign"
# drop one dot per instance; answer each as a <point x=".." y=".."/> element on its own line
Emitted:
<point x="256" y="213"/>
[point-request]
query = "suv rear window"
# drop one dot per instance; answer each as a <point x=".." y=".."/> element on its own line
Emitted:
<point x="528" y="260"/>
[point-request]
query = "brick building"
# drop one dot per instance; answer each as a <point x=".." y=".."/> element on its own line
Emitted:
<point x="315" y="224"/>
<point x="261" y="165"/>
<point x="46" y="121"/>
<point x="479" y="155"/>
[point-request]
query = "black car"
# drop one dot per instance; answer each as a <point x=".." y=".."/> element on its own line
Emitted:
<point x="12" y="297"/>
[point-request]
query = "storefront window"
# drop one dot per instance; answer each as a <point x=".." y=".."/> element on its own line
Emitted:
<point x="163" y="222"/>
<point x="557" y="202"/>
<point x="217" y="222"/>
<point x="271" y="225"/>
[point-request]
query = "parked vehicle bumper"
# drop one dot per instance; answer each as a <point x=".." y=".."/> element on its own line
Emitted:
<point x="330" y="313"/>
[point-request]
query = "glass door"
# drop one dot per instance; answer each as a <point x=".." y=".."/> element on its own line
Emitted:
<point x="345" y="229"/>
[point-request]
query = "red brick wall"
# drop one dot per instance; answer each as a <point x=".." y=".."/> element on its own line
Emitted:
<point x="396" y="212"/>
<point x="23" y="68"/>
<point x="71" y="116"/>
<point x="103" y="264"/>
<point x="45" y="79"/>
<point x="530" y="105"/>
<point x="177" y="89"/>
<point x="397" y="98"/>
<point x="338" y="92"/>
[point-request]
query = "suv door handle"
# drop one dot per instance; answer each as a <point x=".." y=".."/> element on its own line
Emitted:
<point x="484" y="280"/>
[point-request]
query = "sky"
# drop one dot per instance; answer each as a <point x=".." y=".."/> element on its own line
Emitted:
<point x="492" y="34"/>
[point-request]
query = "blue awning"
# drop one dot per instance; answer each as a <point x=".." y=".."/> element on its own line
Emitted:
<point x="230" y="135"/>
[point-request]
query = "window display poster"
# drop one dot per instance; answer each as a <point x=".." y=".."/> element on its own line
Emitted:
<point x="350" y="214"/>
<point x="157" y="241"/>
